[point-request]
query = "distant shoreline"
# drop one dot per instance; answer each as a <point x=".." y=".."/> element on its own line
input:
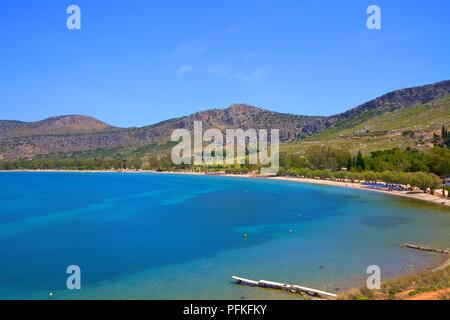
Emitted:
<point x="416" y="195"/>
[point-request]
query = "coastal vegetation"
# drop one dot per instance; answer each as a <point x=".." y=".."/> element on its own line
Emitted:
<point x="434" y="284"/>
<point x="407" y="167"/>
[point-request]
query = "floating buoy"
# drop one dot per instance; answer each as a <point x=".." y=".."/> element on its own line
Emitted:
<point x="50" y="294"/>
<point x="290" y="230"/>
<point x="245" y="235"/>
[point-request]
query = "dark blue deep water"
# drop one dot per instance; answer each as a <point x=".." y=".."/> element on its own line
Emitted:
<point x="156" y="236"/>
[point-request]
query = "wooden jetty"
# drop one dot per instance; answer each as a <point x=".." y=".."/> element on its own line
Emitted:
<point x="428" y="249"/>
<point x="283" y="286"/>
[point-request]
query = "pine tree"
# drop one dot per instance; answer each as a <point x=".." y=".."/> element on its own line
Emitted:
<point x="349" y="163"/>
<point x="360" y="163"/>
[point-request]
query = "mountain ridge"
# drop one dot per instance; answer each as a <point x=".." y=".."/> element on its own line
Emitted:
<point x="76" y="133"/>
<point x="64" y="124"/>
<point x="402" y="97"/>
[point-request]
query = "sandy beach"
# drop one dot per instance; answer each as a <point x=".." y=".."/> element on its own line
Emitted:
<point x="417" y="195"/>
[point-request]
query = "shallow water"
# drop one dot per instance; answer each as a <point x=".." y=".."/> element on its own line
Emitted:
<point x="155" y="236"/>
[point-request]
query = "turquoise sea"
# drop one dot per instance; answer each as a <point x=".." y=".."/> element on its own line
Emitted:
<point x="157" y="236"/>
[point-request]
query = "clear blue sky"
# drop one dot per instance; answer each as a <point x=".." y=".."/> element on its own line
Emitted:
<point x="137" y="62"/>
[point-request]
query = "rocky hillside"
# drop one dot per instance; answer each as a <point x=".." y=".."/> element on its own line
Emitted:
<point x="245" y="117"/>
<point x="74" y="134"/>
<point x="51" y="126"/>
<point x="393" y="101"/>
<point x="412" y="127"/>
<point x="20" y="143"/>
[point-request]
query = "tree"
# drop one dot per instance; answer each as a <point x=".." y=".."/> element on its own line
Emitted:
<point x="438" y="160"/>
<point x="326" y="157"/>
<point x="448" y="191"/>
<point x="349" y="163"/>
<point x="445" y="137"/>
<point x="370" y="176"/>
<point x="425" y="181"/>
<point x="360" y="163"/>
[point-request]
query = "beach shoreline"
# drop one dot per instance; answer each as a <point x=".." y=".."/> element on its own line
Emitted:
<point x="415" y="195"/>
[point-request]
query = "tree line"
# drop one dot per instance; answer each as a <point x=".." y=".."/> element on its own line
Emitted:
<point x="410" y="180"/>
<point x="435" y="160"/>
<point x="409" y="167"/>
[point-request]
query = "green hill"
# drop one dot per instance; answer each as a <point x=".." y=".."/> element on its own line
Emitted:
<point x="412" y="126"/>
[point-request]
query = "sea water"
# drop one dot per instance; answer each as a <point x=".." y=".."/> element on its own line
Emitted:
<point x="161" y="236"/>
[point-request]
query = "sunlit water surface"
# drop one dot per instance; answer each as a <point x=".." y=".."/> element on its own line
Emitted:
<point x="156" y="236"/>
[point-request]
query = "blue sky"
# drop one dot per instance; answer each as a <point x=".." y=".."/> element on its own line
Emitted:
<point x="138" y="62"/>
